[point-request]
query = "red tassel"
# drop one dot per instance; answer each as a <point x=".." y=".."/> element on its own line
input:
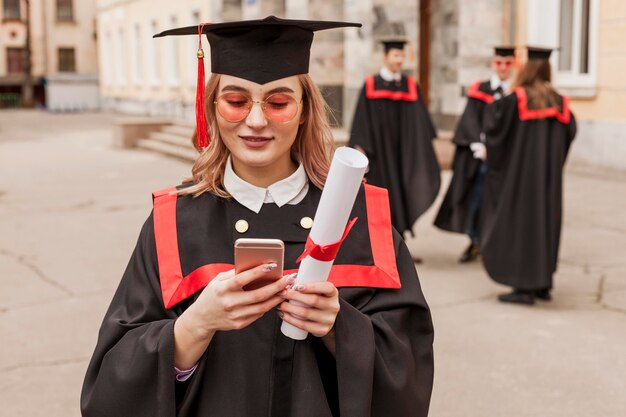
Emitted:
<point x="201" y="123"/>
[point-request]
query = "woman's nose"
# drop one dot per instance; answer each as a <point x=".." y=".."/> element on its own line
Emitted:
<point x="256" y="118"/>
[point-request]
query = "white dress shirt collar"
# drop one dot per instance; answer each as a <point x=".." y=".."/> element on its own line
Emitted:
<point x="290" y="190"/>
<point x="389" y="76"/>
<point x="496" y="82"/>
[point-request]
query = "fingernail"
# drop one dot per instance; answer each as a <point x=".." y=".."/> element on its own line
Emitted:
<point x="269" y="267"/>
<point x="291" y="279"/>
<point x="280" y="314"/>
<point x="283" y="293"/>
<point x="299" y="287"/>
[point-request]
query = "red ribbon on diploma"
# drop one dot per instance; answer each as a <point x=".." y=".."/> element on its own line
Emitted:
<point x="327" y="252"/>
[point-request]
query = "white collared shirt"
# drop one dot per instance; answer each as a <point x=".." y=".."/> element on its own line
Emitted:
<point x="290" y="190"/>
<point x="496" y="82"/>
<point x="389" y="76"/>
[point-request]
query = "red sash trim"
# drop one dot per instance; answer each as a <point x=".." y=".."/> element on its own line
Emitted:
<point x="175" y="287"/>
<point x="526" y="114"/>
<point x="325" y="253"/>
<point x="474" y="92"/>
<point x="166" y="238"/>
<point x="371" y="92"/>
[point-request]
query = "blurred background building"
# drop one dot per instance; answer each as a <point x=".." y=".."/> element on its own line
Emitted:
<point x="48" y="54"/>
<point x="450" y="46"/>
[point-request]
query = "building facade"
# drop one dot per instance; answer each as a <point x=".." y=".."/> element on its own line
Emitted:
<point x="141" y="75"/>
<point x="59" y="36"/>
<point x="450" y="46"/>
<point x="588" y="68"/>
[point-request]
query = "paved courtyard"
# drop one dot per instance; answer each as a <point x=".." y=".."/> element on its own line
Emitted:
<point x="71" y="207"/>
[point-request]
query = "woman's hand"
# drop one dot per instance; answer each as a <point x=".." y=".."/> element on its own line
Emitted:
<point x="224" y="305"/>
<point x="319" y="315"/>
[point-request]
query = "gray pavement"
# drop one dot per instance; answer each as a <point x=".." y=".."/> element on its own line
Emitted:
<point x="71" y="207"/>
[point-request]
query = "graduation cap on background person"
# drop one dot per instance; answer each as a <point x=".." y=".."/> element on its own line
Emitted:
<point x="260" y="51"/>
<point x="393" y="43"/>
<point x="504" y="50"/>
<point x="536" y="52"/>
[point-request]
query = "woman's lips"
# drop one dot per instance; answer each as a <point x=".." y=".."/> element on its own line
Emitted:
<point x="256" y="141"/>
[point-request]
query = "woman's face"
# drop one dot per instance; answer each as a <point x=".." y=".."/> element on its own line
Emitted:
<point x="264" y="136"/>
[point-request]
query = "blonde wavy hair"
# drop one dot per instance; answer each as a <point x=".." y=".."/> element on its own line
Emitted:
<point x="314" y="144"/>
<point x="536" y="77"/>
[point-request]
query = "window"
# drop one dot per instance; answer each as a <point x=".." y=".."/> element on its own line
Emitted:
<point x="65" y="11"/>
<point x="153" y="52"/>
<point x="570" y="25"/>
<point x="137" y="55"/>
<point x="192" y="64"/>
<point x="574" y="36"/>
<point x="67" y="60"/>
<point x="11" y="10"/>
<point x="173" y="56"/>
<point x="120" y="58"/>
<point x="107" y="58"/>
<point x="16" y="60"/>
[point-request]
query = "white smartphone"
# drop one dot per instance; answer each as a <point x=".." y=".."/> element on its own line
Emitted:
<point x="251" y="252"/>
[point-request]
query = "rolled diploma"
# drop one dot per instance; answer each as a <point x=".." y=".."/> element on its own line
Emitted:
<point x="342" y="185"/>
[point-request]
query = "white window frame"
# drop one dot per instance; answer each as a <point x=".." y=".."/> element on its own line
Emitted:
<point x="192" y="64"/>
<point x="154" y="56"/>
<point x="543" y="30"/>
<point x="107" y="57"/>
<point x="137" y="55"/>
<point x="173" y="56"/>
<point x="120" y="61"/>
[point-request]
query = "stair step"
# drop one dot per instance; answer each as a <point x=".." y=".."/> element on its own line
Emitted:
<point x="180" y="130"/>
<point x="184" y="123"/>
<point x="172" y="139"/>
<point x="167" y="148"/>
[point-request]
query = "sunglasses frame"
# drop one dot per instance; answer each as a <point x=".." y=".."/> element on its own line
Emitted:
<point x="260" y="103"/>
<point x="506" y="63"/>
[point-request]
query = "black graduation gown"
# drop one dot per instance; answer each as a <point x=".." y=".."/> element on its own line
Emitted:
<point x="522" y="200"/>
<point x="391" y="123"/>
<point x="454" y="211"/>
<point x="384" y="357"/>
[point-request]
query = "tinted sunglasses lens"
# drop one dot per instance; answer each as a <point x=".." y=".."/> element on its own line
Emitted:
<point x="280" y="108"/>
<point x="233" y="107"/>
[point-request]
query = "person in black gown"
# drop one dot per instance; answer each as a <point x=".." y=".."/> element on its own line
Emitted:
<point x="393" y="128"/>
<point x="528" y="136"/>
<point x="183" y="338"/>
<point x="460" y="209"/>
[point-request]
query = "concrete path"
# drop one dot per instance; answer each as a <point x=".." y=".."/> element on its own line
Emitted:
<point x="71" y="208"/>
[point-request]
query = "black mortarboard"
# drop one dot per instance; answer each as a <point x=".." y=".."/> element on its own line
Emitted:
<point x="504" y="50"/>
<point x="260" y="51"/>
<point x="393" y="43"/>
<point x="535" y="52"/>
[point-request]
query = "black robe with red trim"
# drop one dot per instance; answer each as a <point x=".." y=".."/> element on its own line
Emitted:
<point x="384" y="333"/>
<point x="454" y="210"/>
<point x="392" y="124"/>
<point x="522" y="200"/>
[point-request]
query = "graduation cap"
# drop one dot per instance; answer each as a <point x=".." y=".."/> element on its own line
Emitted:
<point x="504" y="50"/>
<point x="535" y="52"/>
<point x="393" y="43"/>
<point x="260" y="51"/>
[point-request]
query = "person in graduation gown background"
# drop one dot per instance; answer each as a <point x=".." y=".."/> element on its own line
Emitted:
<point x="528" y="136"/>
<point x="460" y="209"/>
<point x="183" y="338"/>
<point x="392" y="126"/>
